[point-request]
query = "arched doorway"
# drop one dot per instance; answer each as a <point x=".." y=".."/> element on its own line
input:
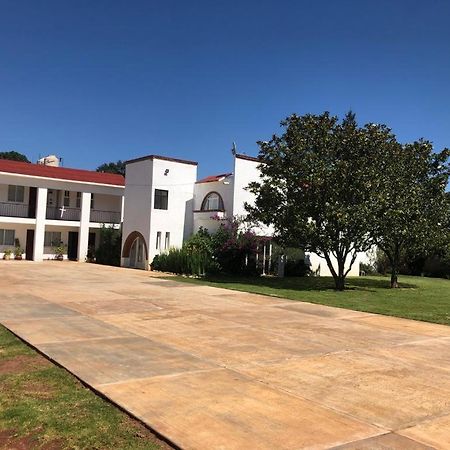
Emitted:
<point x="134" y="252"/>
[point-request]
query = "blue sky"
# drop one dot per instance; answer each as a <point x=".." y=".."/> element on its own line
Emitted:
<point x="97" y="81"/>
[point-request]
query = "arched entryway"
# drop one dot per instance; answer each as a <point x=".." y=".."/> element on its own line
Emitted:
<point x="134" y="252"/>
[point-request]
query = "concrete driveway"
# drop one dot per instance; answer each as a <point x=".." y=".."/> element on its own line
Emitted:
<point x="211" y="368"/>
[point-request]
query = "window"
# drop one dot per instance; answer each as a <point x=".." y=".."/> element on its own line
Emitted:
<point x="212" y="202"/>
<point x="158" y="240"/>
<point x="167" y="241"/>
<point x="78" y="203"/>
<point x="161" y="199"/>
<point x="66" y="198"/>
<point x="52" y="238"/>
<point x="92" y="201"/>
<point x="16" y="193"/>
<point x="7" y="237"/>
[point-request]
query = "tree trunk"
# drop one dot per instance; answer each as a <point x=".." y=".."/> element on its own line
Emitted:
<point x="394" y="278"/>
<point x="394" y="268"/>
<point x="339" y="277"/>
<point x="339" y="282"/>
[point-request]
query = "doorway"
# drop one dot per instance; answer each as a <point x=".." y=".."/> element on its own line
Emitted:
<point x="29" y="246"/>
<point x="72" y="246"/>
<point x="32" y="203"/>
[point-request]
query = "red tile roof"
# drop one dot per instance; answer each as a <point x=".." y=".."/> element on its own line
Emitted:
<point x="213" y="178"/>
<point x="60" y="173"/>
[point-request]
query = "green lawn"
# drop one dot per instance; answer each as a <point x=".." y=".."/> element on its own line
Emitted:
<point x="418" y="298"/>
<point x="43" y="406"/>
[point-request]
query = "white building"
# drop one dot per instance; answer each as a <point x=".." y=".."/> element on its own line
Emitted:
<point x="43" y="206"/>
<point x="164" y="204"/>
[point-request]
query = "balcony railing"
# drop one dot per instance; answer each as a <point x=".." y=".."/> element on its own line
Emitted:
<point x="14" y="209"/>
<point x="105" y="216"/>
<point x="63" y="213"/>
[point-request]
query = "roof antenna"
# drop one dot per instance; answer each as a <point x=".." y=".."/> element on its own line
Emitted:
<point x="234" y="149"/>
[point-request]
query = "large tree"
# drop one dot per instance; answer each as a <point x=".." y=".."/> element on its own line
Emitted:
<point x="14" y="156"/>
<point x="113" y="167"/>
<point x="411" y="207"/>
<point x="315" y="188"/>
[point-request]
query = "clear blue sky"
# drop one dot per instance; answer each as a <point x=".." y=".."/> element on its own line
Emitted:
<point x="96" y="81"/>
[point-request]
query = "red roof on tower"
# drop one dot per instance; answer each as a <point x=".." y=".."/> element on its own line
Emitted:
<point x="60" y="173"/>
<point x="213" y="178"/>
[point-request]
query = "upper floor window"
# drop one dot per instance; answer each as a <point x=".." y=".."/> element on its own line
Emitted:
<point x="161" y="199"/>
<point x="66" y="198"/>
<point x="92" y="201"/>
<point x="16" y="193"/>
<point x="7" y="237"/>
<point x="78" y="202"/>
<point x="212" y="202"/>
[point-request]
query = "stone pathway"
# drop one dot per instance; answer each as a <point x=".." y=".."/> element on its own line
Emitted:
<point x="210" y="368"/>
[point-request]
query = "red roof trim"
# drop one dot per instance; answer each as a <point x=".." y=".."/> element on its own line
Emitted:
<point x="213" y="178"/>
<point x="60" y="173"/>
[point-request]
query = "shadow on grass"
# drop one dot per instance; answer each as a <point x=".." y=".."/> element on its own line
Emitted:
<point x="307" y="283"/>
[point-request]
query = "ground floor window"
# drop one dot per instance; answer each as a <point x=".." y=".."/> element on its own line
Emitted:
<point x="7" y="237"/>
<point x="52" y="238"/>
<point x="167" y="241"/>
<point x="158" y="240"/>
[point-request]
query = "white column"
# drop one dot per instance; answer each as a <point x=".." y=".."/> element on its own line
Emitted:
<point x="122" y="209"/>
<point x="39" y="230"/>
<point x="83" y="234"/>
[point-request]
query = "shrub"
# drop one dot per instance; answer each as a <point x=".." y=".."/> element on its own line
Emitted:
<point x="108" y="251"/>
<point x="234" y="249"/>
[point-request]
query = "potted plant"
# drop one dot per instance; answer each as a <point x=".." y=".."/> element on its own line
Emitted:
<point x="59" y="252"/>
<point x="7" y="254"/>
<point x="18" y="251"/>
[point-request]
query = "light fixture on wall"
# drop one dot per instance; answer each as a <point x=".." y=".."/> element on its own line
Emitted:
<point x="166" y="172"/>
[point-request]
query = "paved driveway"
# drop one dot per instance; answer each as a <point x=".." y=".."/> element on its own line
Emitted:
<point x="217" y="369"/>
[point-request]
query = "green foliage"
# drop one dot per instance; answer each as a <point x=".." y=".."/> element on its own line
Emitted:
<point x="14" y="156"/>
<point x="410" y="207"/>
<point x="194" y="258"/>
<point x="315" y="189"/>
<point x="117" y="167"/>
<point x="109" y="248"/>
<point x="231" y="249"/>
<point x="234" y="248"/>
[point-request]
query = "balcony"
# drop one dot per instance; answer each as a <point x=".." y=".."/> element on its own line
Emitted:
<point x="105" y="216"/>
<point x="63" y="213"/>
<point x="10" y="209"/>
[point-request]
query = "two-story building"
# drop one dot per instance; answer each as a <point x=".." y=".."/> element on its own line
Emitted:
<point x="42" y="207"/>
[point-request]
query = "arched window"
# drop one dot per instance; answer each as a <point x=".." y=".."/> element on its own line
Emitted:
<point x="212" y="202"/>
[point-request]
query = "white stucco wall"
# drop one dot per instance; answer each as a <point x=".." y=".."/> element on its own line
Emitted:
<point x="245" y="172"/>
<point x="142" y="178"/>
<point x="178" y="218"/>
<point x="137" y="205"/>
